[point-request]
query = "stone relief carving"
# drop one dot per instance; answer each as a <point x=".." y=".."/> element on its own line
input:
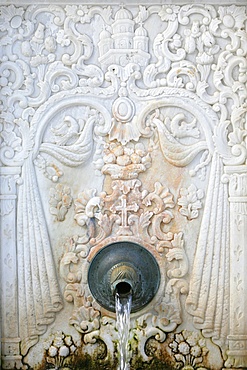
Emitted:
<point x="189" y="350"/>
<point x="60" y="201"/>
<point x="190" y="201"/>
<point x="126" y="212"/>
<point x="59" y="348"/>
<point x="73" y="91"/>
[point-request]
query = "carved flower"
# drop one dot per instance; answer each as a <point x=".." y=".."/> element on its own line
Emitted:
<point x="58" y="340"/>
<point x="124" y="132"/>
<point x="176" y="42"/>
<point x="196" y="351"/>
<point x="160" y="199"/>
<point x="78" y="13"/>
<point x="52" y="352"/>
<point x="62" y="38"/>
<point x="63" y="351"/>
<point x="59" y="347"/>
<point x="9" y="137"/>
<point x="174" y="346"/>
<point x="11" y="17"/>
<point x="91" y="319"/>
<point x="179" y="337"/>
<point x="232" y="16"/>
<point x="189" y="355"/>
<point x="237" y="136"/>
<point x="68" y="340"/>
<point x="60" y="201"/>
<point x="184" y="348"/>
<point x="169" y="12"/>
<point x="166" y="316"/>
<point x="190" y="201"/>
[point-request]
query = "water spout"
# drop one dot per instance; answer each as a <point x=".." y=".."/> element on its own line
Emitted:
<point x="124" y="268"/>
<point x="123" y="289"/>
<point x="123" y="277"/>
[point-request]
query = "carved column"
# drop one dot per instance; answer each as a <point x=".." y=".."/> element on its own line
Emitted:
<point x="237" y="354"/>
<point x="9" y="299"/>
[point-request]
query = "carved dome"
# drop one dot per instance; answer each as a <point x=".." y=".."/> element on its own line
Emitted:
<point x="123" y="14"/>
<point x="104" y="34"/>
<point x="140" y="31"/>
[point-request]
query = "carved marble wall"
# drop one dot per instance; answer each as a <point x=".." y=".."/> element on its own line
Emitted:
<point x="123" y="123"/>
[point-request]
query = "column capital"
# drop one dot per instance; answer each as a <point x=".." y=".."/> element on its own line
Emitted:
<point x="236" y="176"/>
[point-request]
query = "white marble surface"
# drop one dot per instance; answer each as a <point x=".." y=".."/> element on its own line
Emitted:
<point x="123" y="123"/>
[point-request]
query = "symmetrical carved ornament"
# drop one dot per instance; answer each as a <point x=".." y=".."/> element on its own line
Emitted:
<point x="94" y="84"/>
<point x="189" y="350"/>
<point x="128" y="213"/>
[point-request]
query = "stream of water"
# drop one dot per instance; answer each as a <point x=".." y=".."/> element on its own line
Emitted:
<point x="123" y="308"/>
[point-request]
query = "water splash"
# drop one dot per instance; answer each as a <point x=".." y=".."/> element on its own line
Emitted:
<point x="123" y="308"/>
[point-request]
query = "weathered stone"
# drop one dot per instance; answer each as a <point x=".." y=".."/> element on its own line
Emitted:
<point x="123" y="124"/>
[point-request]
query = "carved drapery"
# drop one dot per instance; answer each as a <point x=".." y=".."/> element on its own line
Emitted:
<point x="38" y="291"/>
<point x="208" y="298"/>
<point x="117" y="94"/>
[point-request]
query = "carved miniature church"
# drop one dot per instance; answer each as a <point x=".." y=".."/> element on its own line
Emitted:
<point x="123" y="44"/>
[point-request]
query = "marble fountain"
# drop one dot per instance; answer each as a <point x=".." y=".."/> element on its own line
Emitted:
<point x="123" y="160"/>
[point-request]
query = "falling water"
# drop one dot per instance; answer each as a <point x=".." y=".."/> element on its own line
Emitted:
<point x="123" y="308"/>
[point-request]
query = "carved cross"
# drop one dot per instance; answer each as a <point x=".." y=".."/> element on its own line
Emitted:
<point x="124" y="209"/>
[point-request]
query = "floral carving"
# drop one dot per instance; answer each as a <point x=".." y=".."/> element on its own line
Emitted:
<point x="232" y="16"/>
<point x="84" y="82"/>
<point x="126" y="212"/>
<point x="11" y="17"/>
<point x="60" y="349"/>
<point x="190" y="201"/>
<point x="60" y="201"/>
<point x="168" y="12"/>
<point x="189" y="350"/>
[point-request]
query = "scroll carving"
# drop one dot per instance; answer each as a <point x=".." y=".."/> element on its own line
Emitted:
<point x="137" y="215"/>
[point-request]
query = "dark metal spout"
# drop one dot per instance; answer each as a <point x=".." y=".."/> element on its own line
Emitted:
<point x="123" y="289"/>
<point x="123" y="279"/>
<point x="124" y="268"/>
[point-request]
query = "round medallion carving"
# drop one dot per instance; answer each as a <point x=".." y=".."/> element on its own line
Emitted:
<point x="123" y="109"/>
